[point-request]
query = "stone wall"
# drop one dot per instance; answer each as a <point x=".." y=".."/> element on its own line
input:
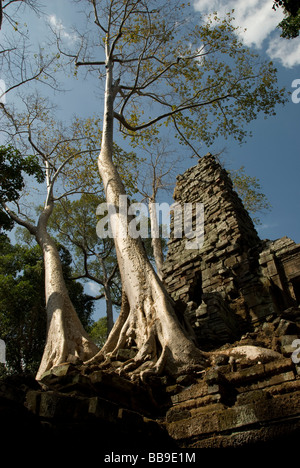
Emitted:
<point x="255" y="405"/>
<point x="235" y="279"/>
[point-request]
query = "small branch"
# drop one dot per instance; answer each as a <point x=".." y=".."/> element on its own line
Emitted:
<point x="80" y="64"/>
<point x="111" y="276"/>
<point x="184" y="138"/>
<point x="101" y="296"/>
<point x="97" y="21"/>
<point x="30" y="227"/>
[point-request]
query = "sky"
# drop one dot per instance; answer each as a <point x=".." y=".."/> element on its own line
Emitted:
<point x="272" y="154"/>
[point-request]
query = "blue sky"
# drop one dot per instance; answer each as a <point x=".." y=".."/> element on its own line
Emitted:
<point x="273" y="153"/>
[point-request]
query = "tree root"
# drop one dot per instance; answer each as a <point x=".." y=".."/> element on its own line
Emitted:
<point x="151" y="327"/>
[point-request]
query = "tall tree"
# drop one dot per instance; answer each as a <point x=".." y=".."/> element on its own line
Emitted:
<point x="23" y="307"/>
<point x="13" y="168"/>
<point x="66" y="336"/>
<point x="73" y="222"/>
<point x="157" y="173"/>
<point x="161" y="63"/>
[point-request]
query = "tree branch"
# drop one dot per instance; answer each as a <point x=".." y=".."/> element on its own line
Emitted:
<point x="80" y="64"/>
<point x="30" y="227"/>
<point x="179" y="109"/>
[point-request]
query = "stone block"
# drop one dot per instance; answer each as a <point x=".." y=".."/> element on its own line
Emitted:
<point x="32" y="402"/>
<point x="177" y="414"/>
<point x="56" y="405"/>
<point x="194" y="391"/>
<point x="103" y="409"/>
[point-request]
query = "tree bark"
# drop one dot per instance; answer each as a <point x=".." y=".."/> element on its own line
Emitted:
<point x="155" y="240"/>
<point x="109" y="308"/>
<point x="66" y="337"/>
<point x="147" y="323"/>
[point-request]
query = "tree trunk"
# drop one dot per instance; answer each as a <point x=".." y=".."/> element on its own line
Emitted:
<point x="155" y="240"/>
<point x="66" y="337"/>
<point x="147" y="323"/>
<point x="109" y="309"/>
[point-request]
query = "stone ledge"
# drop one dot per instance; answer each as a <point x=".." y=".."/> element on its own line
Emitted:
<point x="236" y="418"/>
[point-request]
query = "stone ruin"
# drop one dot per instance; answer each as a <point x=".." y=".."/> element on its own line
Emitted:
<point x="235" y="281"/>
<point x="241" y="296"/>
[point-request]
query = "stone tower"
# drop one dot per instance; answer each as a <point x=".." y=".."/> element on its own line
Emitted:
<point x="222" y="282"/>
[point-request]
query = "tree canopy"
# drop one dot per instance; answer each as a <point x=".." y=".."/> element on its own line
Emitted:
<point x="13" y="168"/>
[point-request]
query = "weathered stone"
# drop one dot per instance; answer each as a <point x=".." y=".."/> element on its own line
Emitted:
<point x="255" y="278"/>
<point x="177" y="415"/>
<point x="286" y="327"/>
<point x="32" y="402"/>
<point x="56" y="405"/>
<point x="103" y="409"/>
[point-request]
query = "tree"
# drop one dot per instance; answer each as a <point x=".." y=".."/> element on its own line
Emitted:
<point x="161" y="66"/>
<point x="22" y="303"/>
<point x="67" y="157"/>
<point x="94" y="257"/>
<point x="290" y="25"/>
<point x="99" y="332"/>
<point x="66" y="336"/>
<point x="249" y="190"/>
<point x="12" y="171"/>
<point x="156" y="173"/>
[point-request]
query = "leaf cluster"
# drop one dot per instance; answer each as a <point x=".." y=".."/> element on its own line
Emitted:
<point x="249" y="190"/>
<point x="12" y="169"/>
<point x="290" y="25"/>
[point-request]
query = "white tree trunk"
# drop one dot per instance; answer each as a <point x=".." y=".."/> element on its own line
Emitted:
<point x="66" y="337"/>
<point x="147" y="322"/>
<point x="155" y="240"/>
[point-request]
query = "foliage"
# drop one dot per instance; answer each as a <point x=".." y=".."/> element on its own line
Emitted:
<point x="290" y="25"/>
<point x="75" y="148"/>
<point x="22" y="303"/>
<point x="13" y="167"/>
<point x="249" y="190"/>
<point x="98" y="332"/>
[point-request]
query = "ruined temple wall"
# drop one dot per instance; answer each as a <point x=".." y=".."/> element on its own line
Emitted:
<point x="220" y="281"/>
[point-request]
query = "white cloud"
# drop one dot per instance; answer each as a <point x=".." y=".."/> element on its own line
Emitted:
<point x="60" y="29"/>
<point x="260" y="22"/>
<point x="287" y="51"/>
<point x="91" y="288"/>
